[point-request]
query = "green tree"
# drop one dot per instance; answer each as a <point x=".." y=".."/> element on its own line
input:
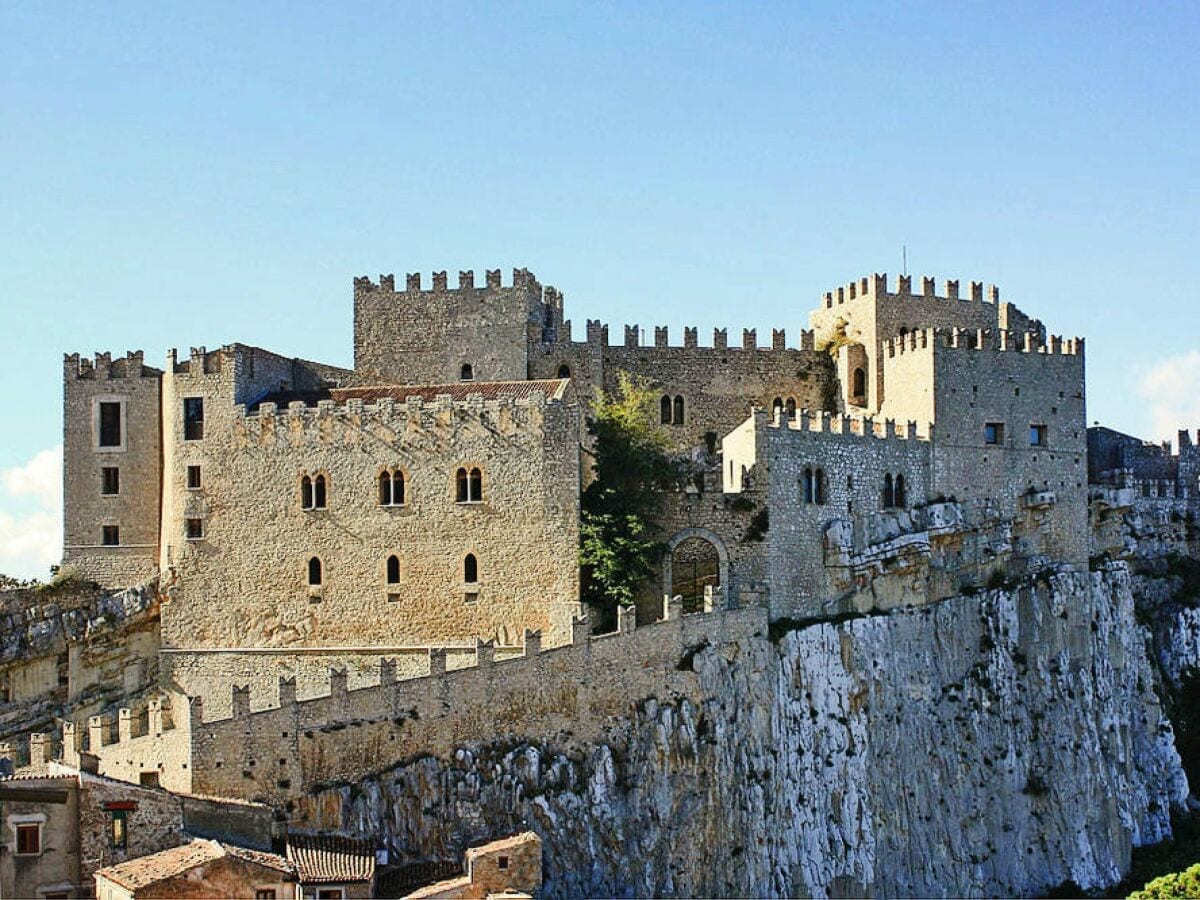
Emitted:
<point x="1185" y="884"/>
<point x="621" y="509"/>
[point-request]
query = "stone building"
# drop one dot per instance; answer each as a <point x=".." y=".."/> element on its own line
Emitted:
<point x="303" y="517"/>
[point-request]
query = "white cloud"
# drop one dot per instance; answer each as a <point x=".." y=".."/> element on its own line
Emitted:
<point x="1171" y="389"/>
<point x="31" y="515"/>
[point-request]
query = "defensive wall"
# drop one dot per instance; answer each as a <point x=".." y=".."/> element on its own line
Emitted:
<point x="281" y="749"/>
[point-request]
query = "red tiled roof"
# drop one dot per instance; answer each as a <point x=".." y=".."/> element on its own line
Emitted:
<point x="458" y="390"/>
<point x="326" y="858"/>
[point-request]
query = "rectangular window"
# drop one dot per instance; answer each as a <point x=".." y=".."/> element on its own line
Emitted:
<point x="29" y="838"/>
<point x="1037" y="435"/>
<point x="110" y="424"/>
<point x="118" y="829"/>
<point x="195" y="529"/>
<point x="993" y="433"/>
<point x="193" y="475"/>
<point x="110" y="535"/>
<point x="193" y="418"/>
<point x="110" y="480"/>
<point x="264" y="894"/>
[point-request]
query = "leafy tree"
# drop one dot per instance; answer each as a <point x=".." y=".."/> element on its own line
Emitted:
<point x="621" y="509"/>
<point x="1176" y="885"/>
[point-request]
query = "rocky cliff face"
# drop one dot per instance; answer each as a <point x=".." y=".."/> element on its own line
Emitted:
<point x="999" y="743"/>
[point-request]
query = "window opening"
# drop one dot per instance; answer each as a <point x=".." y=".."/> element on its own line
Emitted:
<point x="664" y="415"/>
<point x="110" y="424"/>
<point x="678" y="411"/>
<point x="110" y="480"/>
<point x="471" y="569"/>
<point x="314" y="572"/>
<point x="467" y="372"/>
<point x="118" y="829"/>
<point x="393" y="569"/>
<point x="195" y="529"/>
<point x="110" y="535"/>
<point x="319" y="495"/>
<point x="193" y="418"/>
<point x="193" y="477"/>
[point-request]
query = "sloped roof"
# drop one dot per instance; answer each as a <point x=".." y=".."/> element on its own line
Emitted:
<point x="325" y="858"/>
<point x="136" y="874"/>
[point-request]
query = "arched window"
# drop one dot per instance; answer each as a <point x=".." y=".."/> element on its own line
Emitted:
<point x="461" y="494"/>
<point x="319" y="492"/>
<point x="889" y="492"/>
<point x="467" y="373"/>
<point x="904" y="332"/>
<point x="664" y="416"/>
<point x="564" y="371"/>
<point x="306" y="493"/>
<point x="790" y="406"/>
<point x="391" y="488"/>
<point x="314" y="572"/>
<point x="776" y="407"/>
<point x="475" y="486"/>
<point x="471" y="569"/>
<point x="901" y="500"/>
<point x="859" y="382"/>
<point x="678" y="411"/>
<point x="806" y="486"/>
<point x="393" y="569"/>
<point x="819" y="486"/>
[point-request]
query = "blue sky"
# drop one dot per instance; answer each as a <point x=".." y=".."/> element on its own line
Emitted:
<point x="177" y="176"/>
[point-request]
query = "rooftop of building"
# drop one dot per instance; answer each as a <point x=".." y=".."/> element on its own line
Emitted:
<point x="328" y="858"/>
<point x="136" y="874"/>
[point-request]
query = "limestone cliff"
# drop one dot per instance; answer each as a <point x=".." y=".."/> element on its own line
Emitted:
<point x="994" y="744"/>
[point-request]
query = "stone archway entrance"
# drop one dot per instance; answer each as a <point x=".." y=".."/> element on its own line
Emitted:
<point x="696" y="560"/>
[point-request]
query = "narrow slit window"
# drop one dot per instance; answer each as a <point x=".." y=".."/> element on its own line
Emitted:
<point x="397" y="488"/>
<point x="889" y="492"/>
<point x="306" y="493"/>
<point x="790" y="407"/>
<point x="193" y="478"/>
<point x="475" y="486"/>
<point x="678" y="411"/>
<point x="900" y="498"/>
<point x="664" y="416"/>
<point x="806" y="486"/>
<point x="314" y="572"/>
<point x="119" y="831"/>
<point x="385" y="488"/>
<point x="319" y="492"/>
<point x="461" y="490"/>
<point x="193" y="418"/>
<point x="393" y="569"/>
<point x="110" y="480"/>
<point x="819" y="486"/>
<point x="471" y="569"/>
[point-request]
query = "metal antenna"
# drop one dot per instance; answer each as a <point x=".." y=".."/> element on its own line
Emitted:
<point x="904" y="259"/>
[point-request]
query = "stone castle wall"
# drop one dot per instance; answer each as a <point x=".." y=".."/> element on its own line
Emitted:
<point x="134" y="508"/>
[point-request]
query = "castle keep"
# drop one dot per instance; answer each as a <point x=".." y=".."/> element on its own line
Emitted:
<point x="330" y="541"/>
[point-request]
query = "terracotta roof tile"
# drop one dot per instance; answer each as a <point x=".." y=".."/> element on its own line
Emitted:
<point x="324" y="858"/>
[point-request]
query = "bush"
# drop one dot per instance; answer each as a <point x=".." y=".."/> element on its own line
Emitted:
<point x="1177" y="884"/>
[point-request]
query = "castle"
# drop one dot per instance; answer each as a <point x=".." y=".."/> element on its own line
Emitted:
<point x="419" y="513"/>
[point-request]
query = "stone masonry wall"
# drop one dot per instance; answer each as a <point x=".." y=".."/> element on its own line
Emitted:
<point x="523" y="533"/>
<point x="134" y="508"/>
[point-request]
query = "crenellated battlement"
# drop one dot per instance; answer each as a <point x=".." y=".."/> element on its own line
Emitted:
<point x="440" y="283"/>
<point x="638" y="338"/>
<point x="831" y="424"/>
<point x="102" y="366"/>
<point x="876" y="286"/>
<point x="982" y="339"/>
<point x="343" y="419"/>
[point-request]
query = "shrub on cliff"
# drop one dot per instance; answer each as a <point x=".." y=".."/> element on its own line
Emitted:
<point x="1176" y="885"/>
<point x="621" y="509"/>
